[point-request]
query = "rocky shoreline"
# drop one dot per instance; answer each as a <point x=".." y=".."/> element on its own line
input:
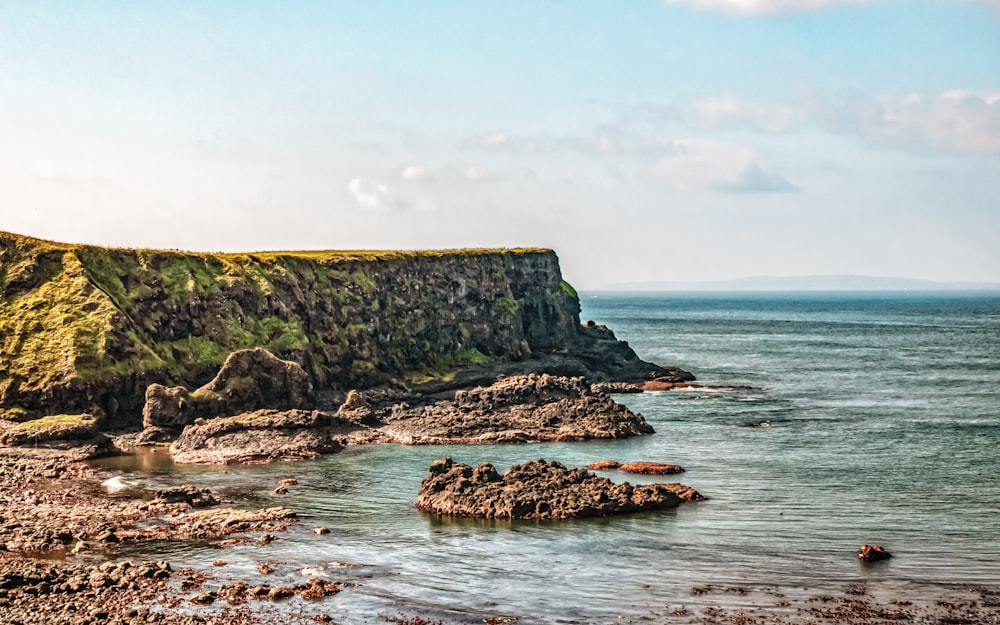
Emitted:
<point x="91" y="590"/>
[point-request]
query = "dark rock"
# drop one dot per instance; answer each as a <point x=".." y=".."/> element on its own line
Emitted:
<point x="167" y="407"/>
<point x="189" y="494"/>
<point x="535" y="490"/>
<point x="153" y="435"/>
<point x="873" y="553"/>
<point x="205" y="598"/>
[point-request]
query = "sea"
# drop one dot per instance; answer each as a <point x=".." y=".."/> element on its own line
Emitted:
<point x="829" y="420"/>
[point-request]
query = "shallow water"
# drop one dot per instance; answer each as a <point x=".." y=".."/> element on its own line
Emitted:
<point x="884" y="424"/>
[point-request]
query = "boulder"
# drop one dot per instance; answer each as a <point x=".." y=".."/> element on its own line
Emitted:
<point x="873" y="553"/>
<point x="167" y="407"/>
<point x="261" y="436"/>
<point x="250" y="379"/>
<point x="356" y="408"/>
<point x="189" y="494"/>
<point x="536" y="490"/>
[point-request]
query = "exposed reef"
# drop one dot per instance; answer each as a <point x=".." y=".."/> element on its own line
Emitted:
<point x="538" y="490"/>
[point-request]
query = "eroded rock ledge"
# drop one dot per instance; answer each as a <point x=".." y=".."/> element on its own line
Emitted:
<point x="526" y="408"/>
<point x="519" y="409"/>
<point x="262" y="436"/>
<point x="538" y="490"/>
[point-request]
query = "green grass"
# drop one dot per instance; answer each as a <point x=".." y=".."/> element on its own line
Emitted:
<point x="59" y="422"/>
<point x="506" y="304"/>
<point x="72" y="313"/>
<point x="567" y="288"/>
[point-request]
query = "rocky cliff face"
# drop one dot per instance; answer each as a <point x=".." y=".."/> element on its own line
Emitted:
<point x="88" y="329"/>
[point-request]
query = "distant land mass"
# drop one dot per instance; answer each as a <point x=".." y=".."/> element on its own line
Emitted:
<point x="806" y="283"/>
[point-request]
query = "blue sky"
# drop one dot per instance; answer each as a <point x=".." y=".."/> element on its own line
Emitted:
<point x="642" y="139"/>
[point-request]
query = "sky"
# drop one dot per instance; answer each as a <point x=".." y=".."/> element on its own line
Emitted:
<point x="643" y="140"/>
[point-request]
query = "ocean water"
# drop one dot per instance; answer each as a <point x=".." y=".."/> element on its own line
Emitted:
<point x="882" y="415"/>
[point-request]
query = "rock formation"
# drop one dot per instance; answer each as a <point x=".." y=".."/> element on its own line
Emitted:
<point x="262" y="436"/>
<point x="86" y="329"/>
<point x="527" y="408"/>
<point x="250" y="379"/>
<point x="535" y="490"/>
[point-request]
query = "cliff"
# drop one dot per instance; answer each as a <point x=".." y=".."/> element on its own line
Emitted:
<point x="87" y="329"/>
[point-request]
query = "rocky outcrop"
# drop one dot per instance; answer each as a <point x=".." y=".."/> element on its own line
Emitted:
<point x="79" y="432"/>
<point x="89" y="329"/>
<point x="262" y="436"/>
<point x="250" y="379"/>
<point x="520" y="409"/>
<point x="356" y="408"/>
<point x="535" y="490"/>
<point x="528" y="408"/>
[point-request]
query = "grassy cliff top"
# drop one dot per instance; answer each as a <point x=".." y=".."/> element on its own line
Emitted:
<point x="81" y="321"/>
<point x="314" y="255"/>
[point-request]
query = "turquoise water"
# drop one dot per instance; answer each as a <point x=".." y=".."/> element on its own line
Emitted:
<point x="884" y="415"/>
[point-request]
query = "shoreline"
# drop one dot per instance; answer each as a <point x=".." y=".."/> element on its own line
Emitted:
<point x="44" y="589"/>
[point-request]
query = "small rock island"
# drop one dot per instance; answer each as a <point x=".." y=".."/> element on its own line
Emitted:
<point x="538" y="490"/>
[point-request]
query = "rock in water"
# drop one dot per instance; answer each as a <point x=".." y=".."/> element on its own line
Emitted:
<point x="535" y="490"/>
<point x="521" y="408"/>
<point x="651" y="468"/>
<point x="873" y="553"/>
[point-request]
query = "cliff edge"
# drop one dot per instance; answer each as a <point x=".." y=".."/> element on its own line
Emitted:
<point x="86" y="329"/>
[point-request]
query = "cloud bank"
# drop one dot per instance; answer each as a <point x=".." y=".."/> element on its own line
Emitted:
<point x="954" y="121"/>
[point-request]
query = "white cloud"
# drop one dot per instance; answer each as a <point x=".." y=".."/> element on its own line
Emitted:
<point x="415" y="173"/>
<point x="379" y="197"/>
<point x="957" y="121"/>
<point x="762" y="7"/>
<point x="493" y="139"/>
<point x="475" y="173"/>
<point x="703" y="164"/>
<point x="952" y="121"/>
<point x="725" y="112"/>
